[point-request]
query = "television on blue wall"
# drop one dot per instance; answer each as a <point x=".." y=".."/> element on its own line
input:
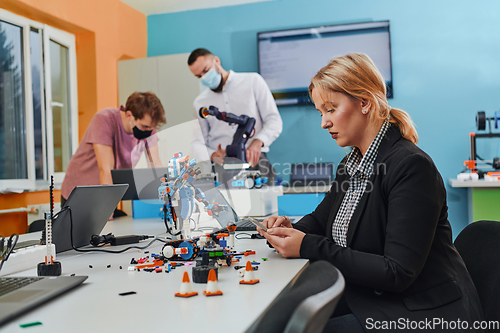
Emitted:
<point x="288" y="59"/>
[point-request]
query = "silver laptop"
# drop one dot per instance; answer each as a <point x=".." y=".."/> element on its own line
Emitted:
<point x="213" y="194"/>
<point x="18" y="295"/>
<point x="91" y="207"/>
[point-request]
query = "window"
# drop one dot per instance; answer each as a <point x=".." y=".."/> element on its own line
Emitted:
<point x="38" y="102"/>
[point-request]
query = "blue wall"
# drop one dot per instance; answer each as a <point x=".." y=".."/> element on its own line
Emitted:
<point x="446" y="66"/>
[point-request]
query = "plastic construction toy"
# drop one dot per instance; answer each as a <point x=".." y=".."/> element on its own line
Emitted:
<point x="215" y="250"/>
<point x="248" y="179"/>
<point x="178" y="191"/>
<point x="49" y="267"/>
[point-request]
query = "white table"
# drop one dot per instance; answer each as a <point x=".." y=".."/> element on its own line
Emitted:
<point x="482" y="197"/>
<point x="96" y="305"/>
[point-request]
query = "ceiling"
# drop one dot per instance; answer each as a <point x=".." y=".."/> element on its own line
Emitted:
<point x="151" y="7"/>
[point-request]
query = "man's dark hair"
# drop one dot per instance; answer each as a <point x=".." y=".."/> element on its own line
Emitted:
<point x="197" y="53"/>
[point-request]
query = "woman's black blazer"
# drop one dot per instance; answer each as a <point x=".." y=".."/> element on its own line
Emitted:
<point x="399" y="263"/>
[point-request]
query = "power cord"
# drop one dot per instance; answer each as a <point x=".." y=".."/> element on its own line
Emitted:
<point x="6" y="251"/>
<point x="246" y="235"/>
<point x="102" y="250"/>
<point x="42" y="239"/>
<point x="101" y="240"/>
<point x="2" y="247"/>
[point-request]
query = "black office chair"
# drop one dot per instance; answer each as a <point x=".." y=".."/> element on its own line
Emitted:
<point x="306" y="305"/>
<point x="37" y="225"/>
<point x="478" y="244"/>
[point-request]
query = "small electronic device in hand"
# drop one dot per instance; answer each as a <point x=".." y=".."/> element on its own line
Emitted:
<point x="257" y="223"/>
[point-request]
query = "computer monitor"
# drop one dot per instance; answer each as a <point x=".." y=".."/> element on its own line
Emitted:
<point x="311" y="174"/>
<point x="288" y="59"/>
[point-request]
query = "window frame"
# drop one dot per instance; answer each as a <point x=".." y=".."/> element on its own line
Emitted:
<point x="66" y="39"/>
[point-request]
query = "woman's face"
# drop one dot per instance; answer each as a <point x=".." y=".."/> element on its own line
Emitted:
<point x="342" y="116"/>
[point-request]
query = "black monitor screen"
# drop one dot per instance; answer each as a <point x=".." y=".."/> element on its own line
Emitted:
<point x="288" y="59"/>
<point x="304" y="173"/>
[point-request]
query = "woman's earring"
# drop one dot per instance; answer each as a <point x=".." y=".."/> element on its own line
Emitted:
<point x="364" y="111"/>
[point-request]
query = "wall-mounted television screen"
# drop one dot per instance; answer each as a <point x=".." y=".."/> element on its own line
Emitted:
<point x="288" y="59"/>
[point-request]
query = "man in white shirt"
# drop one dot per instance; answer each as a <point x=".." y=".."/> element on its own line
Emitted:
<point x="237" y="93"/>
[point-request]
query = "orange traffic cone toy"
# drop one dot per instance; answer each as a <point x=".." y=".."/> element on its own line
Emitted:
<point x="249" y="278"/>
<point x="212" y="285"/>
<point x="186" y="289"/>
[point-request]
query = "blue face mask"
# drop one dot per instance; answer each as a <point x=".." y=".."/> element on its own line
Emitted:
<point x="211" y="79"/>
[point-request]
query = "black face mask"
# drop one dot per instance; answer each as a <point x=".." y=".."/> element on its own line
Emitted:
<point x="139" y="135"/>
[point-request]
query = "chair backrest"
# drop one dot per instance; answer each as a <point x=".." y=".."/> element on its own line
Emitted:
<point x="479" y="246"/>
<point x="305" y="306"/>
<point x="37" y="225"/>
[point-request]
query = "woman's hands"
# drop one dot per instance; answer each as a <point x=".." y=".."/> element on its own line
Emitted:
<point x="276" y="221"/>
<point x="282" y="236"/>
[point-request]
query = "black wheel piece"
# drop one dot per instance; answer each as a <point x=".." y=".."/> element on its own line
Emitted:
<point x="200" y="273"/>
<point x="481" y="120"/>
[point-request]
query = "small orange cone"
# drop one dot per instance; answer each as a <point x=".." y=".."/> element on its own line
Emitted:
<point x="249" y="278"/>
<point x="212" y="285"/>
<point x="186" y="289"/>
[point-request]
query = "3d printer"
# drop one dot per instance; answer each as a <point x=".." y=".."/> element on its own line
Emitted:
<point x="476" y="164"/>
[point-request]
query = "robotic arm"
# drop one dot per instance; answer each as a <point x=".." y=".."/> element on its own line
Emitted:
<point x="245" y="124"/>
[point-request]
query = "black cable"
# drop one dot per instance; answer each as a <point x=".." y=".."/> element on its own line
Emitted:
<point x="42" y="239"/>
<point x="482" y="159"/>
<point x="2" y="247"/>
<point x="194" y="222"/>
<point x="10" y="248"/>
<point x="102" y="250"/>
<point x="243" y="234"/>
<point x="101" y="240"/>
<point x="59" y="212"/>
<point x="207" y="228"/>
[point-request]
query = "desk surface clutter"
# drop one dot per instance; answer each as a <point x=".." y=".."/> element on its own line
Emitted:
<point x="148" y="302"/>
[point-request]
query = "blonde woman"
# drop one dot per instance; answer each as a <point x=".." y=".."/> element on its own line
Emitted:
<point x="384" y="223"/>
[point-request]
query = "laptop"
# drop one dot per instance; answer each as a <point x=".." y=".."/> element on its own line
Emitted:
<point x="143" y="183"/>
<point x="91" y="207"/>
<point x="18" y="295"/>
<point x="212" y="194"/>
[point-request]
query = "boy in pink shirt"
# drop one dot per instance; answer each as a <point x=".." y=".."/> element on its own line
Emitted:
<point x="115" y="139"/>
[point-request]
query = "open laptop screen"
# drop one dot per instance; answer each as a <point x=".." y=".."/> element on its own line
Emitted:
<point x="212" y="194"/>
<point x="143" y="183"/>
<point x="91" y="207"/>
